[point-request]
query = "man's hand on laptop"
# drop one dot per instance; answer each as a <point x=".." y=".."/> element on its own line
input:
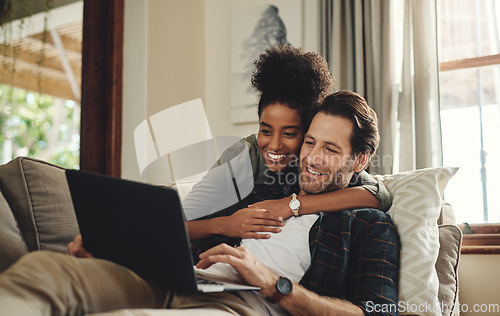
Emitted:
<point x="75" y="248"/>
<point x="252" y="222"/>
<point x="252" y="270"/>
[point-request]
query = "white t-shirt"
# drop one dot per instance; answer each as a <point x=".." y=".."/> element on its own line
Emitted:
<point x="286" y="254"/>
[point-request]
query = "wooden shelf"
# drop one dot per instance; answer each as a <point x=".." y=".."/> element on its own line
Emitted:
<point x="481" y="250"/>
<point x="486" y="242"/>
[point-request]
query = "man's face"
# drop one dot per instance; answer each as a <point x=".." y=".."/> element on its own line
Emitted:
<point x="326" y="163"/>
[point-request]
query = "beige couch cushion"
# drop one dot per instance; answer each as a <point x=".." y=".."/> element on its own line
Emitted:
<point x="450" y="240"/>
<point x="447" y="215"/>
<point x="11" y="244"/>
<point x="38" y="194"/>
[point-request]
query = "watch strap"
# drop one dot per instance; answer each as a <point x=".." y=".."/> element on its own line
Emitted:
<point x="278" y="293"/>
<point x="295" y="210"/>
<point x="276" y="297"/>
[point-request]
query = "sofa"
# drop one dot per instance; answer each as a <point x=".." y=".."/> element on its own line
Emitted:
<point x="36" y="213"/>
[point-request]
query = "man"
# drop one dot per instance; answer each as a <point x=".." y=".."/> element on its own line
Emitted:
<point x="332" y="263"/>
<point x="354" y="253"/>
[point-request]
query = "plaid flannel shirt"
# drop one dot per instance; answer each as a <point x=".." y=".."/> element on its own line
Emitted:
<point x="355" y="256"/>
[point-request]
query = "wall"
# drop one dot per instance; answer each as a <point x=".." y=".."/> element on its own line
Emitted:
<point x="164" y="50"/>
<point x="177" y="50"/>
<point x="218" y="34"/>
<point x="479" y="279"/>
<point x="134" y="81"/>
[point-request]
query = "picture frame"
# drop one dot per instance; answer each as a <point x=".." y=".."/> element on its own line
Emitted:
<point x="254" y="29"/>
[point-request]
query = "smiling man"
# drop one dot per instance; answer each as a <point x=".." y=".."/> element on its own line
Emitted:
<point x="340" y="141"/>
<point x="335" y="263"/>
<point x="326" y="160"/>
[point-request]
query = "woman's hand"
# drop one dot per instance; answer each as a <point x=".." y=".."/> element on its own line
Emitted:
<point x="75" y="248"/>
<point x="251" y="223"/>
<point x="278" y="207"/>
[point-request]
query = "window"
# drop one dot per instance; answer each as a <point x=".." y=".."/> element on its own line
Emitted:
<point x="40" y="75"/>
<point x="469" y="53"/>
<point x="39" y="126"/>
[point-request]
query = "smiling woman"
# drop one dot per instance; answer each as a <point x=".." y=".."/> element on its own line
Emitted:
<point x="280" y="136"/>
<point x="291" y="83"/>
<point x="287" y="80"/>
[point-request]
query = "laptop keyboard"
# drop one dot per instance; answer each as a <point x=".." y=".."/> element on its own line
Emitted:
<point x="208" y="282"/>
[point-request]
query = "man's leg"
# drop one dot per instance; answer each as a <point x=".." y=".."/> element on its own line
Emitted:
<point x="209" y="304"/>
<point x="228" y="302"/>
<point x="48" y="283"/>
<point x="165" y="312"/>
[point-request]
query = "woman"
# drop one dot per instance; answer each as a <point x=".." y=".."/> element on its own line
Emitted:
<point x="291" y="85"/>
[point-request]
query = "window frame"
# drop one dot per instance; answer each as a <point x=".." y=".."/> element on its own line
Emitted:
<point x="477" y="238"/>
<point x="480" y="238"/>
<point x="102" y="75"/>
<point x="486" y="60"/>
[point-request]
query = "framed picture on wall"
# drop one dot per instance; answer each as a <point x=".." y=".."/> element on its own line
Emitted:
<point x="254" y="29"/>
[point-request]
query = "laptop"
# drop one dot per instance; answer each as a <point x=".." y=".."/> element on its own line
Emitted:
<point x="141" y="227"/>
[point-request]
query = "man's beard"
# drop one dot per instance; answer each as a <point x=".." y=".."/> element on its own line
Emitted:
<point x="338" y="181"/>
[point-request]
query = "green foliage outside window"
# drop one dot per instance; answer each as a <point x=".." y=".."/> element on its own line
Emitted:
<point x="39" y="126"/>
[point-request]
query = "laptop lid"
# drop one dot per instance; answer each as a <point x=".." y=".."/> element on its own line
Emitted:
<point x="136" y="225"/>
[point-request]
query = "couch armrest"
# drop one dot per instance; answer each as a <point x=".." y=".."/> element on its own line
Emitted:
<point x="450" y="244"/>
<point x="447" y="216"/>
<point x="12" y="246"/>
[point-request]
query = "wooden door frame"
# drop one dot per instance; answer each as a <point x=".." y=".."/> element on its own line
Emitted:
<point x="102" y="72"/>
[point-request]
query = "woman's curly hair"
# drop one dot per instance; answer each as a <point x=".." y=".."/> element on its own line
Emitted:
<point x="301" y="80"/>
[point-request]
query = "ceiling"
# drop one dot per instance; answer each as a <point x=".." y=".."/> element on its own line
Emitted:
<point x="47" y="62"/>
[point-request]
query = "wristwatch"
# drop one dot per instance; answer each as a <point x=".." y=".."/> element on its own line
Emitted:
<point x="294" y="205"/>
<point x="283" y="287"/>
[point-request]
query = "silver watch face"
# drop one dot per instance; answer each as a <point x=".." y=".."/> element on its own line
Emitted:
<point x="294" y="204"/>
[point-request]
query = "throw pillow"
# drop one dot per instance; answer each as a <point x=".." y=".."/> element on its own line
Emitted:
<point x="38" y="195"/>
<point x="415" y="209"/>
<point x="12" y="246"/>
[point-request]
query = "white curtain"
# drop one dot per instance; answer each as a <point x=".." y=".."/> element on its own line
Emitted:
<point x="386" y="50"/>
